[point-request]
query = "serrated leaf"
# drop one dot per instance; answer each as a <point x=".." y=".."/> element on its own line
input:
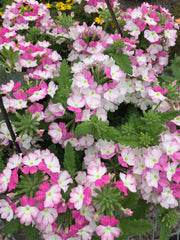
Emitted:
<point x="132" y="141"/>
<point x="123" y="62"/>
<point x="131" y="226"/>
<point x="164" y="232"/>
<point x="12" y="227"/>
<point x="32" y="233"/>
<point x="169" y="115"/>
<point x="141" y="209"/>
<point x="84" y="128"/>
<point x="111" y="133"/>
<point x="64" y="84"/>
<point x="69" y="159"/>
<point x="129" y="201"/>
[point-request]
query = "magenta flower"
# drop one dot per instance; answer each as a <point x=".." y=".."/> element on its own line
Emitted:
<point x="106" y="230"/>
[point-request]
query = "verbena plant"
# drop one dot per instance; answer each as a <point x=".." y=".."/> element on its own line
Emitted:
<point x="90" y="136"/>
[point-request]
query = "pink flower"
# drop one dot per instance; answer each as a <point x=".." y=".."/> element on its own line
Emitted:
<point x="128" y="181"/>
<point x="106" y="230"/>
<point x="79" y="45"/>
<point x="7" y="209"/>
<point x="14" y="161"/>
<point x="57" y="131"/>
<point x="114" y="73"/>
<point x="52" y="88"/>
<point x="51" y="164"/>
<point x="37" y="107"/>
<point x="46" y="216"/>
<point x="63" y="179"/>
<point x="5" y="88"/>
<point x="79" y="195"/>
<point x="75" y="103"/>
<point x="5" y="179"/>
<point x="53" y="196"/>
<point x="27" y="212"/>
<point x="31" y="162"/>
<point x="95" y="173"/>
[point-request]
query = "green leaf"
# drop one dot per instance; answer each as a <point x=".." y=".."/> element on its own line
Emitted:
<point x="69" y="159"/>
<point x="32" y="233"/>
<point x="12" y="227"/>
<point x="2" y="162"/>
<point x="96" y="238"/>
<point x="131" y="226"/>
<point x="164" y="232"/>
<point x="141" y="209"/>
<point x="84" y="128"/>
<point x="123" y="62"/>
<point x="111" y="133"/>
<point x="64" y="84"/>
<point x="11" y="56"/>
<point x="129" y="201"/>
<point x="169" y="115"/>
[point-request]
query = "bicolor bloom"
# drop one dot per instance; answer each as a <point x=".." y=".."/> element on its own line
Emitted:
<point x="27" y="212"/>
<point x="106" y="230"/>
<point x="79" y="195"/>
<point x="7" y="209"/>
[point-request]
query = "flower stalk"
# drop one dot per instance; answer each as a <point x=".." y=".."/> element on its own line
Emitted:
<point x="9" y="126"/>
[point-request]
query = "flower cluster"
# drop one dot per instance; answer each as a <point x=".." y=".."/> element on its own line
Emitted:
<point x="95" y="125"/>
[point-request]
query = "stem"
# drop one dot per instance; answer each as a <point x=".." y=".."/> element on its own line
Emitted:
<point x="9" y="126"/>
<point x="113" y="17"/>
<point x="157" y="106"/>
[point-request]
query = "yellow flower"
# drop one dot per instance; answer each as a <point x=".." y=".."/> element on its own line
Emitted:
<point x="48" y="5"/>
<point x="99" y="20"/>
<point x="64" y="6"/>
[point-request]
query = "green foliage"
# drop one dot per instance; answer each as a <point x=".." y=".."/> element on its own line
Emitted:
<point x="172" y="73"/>
<point x="137" y="132"/>
<point x="140" y="210"/>
<point x="96" y="128"/>
<point x="64" y="84"/>
<point x="32" y="233"/>
<point x="145" y="131"/>
<point x="2" y="162"/>
<point x="164" y="232"/>
<point x="130" y="200"/>
<point x="28" y="184"/>
<point x="7" y="76"/>
<point x="26" y="123"/>
<point x="108" y="198"/>
<point x="121" y="59"/>
<point x="65" y="21"/>
<point x="175" y="67"/>
<point x="12" y="227"/>
<point x="8" y="58"/>
<point x="33" y="35"/>
<point x="167" y="219"/>
<point x="130" y="226"/>
<point x="69" y="159"/>
<point x="96" y="238"/>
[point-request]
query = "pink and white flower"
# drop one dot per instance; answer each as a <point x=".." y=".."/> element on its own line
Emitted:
<point x="106" y="230"/>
